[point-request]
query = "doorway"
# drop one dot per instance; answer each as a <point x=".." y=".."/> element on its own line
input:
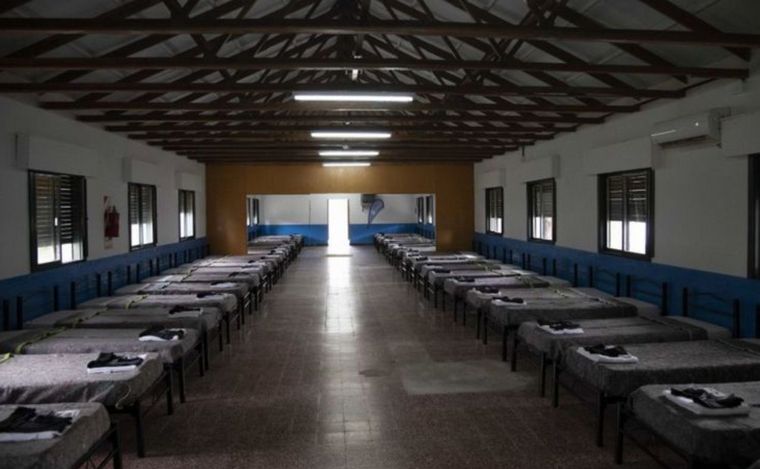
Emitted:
<point x="337" y="227"/>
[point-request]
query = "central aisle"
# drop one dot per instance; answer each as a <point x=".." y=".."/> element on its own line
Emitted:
<point x="346" y="366"/>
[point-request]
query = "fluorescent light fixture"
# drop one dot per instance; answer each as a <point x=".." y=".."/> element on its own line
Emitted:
<point x="345" y="96"/>
<point x="348" y="134"/>
<point x="349" y="153"/>
<point x="345" y="165"/>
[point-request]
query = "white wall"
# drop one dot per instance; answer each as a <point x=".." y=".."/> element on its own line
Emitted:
<point x="99" y="155"/>
<point x="305" y="209"/>
<point x="700" y="191"/>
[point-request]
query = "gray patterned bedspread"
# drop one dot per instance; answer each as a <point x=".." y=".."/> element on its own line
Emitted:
<point x="46" y="341"/>
<point x="187" y="269"/>
<point x="712" y="440"/>
<point x="459" y="289"/>
<point x="249" y="280"/>
<point x="224" y="301"/>
<point x="126" y="319"/>
<point x="628" y="330"/>
<point x="700" y="361"/>
<point x="554" y="305"/>
<point x="43" y="379"/>
<point x="90" y="425"/>
<point x="182" y="288"/>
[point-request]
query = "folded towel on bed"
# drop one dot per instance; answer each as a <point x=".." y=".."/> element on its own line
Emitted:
<point x="602" y="353"/>
<point x="487" y="289"/>
<point x="206" y="295"/>
<point x="440" y="271"/>
<point x="422" y="258"/>
<point x="224" y="284"/>
<point x="707" y="402"/>
<point x="506" y="299"/>
<point x="108" y="362"/>
<point x="560" y="327"/>
<point x="185" y="312"/>
<point x="465" y="279"/>
<point x="26" y="424"/>
<point x="161" y="334"/>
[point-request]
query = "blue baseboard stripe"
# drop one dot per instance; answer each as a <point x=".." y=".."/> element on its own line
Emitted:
<point x="28" y="296"/>
<point x="317" y="235"/>
<point x="721" y="299"/>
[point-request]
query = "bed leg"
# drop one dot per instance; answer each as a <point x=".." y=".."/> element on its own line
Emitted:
<point x="513" y="361"/>
<point x="241" y="315"/>
<point x="201" y="359"/>
<point x="555" y="382"/>
<point x="443" y="301"/>
<point x="464" y="311"/>
<point x="485" y="329"/>
<point x="169" y="394"/>
<point x="435" y="297"/>
<point x="620" y="436"/>
<point x="180" y="367"/>
<point x="228" y="325"/>
<point x="477" y="326"/>
<point x="504" y="339"/>
<point x="116" y="447"/>
<point x="542" y="385"/>
<point x="601" y="406"/>
<point x="140" y="431"/>
<point x="221" y="336"/>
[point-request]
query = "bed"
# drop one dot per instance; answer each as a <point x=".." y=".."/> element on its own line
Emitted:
<point x="461" y="274"/>
<point x="206" y="320"/>
<point x="240" y="290"/>
<point x="250" y="282"/>
<point x="644" y="328"/>
<point x="46" y="379"/>
<point x="699" y="361"/>
<point x="88" y="437"/>
<point x="553" y="304"/>
<point x="177" y="355"/>
<point x="227" y="304"/>
<point x="702" y="440"/>
<point x="460" y="288"/>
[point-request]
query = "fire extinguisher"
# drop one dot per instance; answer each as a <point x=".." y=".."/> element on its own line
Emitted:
<point x="111" y="222"/>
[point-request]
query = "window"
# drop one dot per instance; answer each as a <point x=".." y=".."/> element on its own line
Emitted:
<point x="542" y="218"/>
<point x="251" y="211"/>
<point x="186" y="214"/>
<point x="142" y="216"/>
<point x="58" y="219"/>
<point x="754" y="216"/>
<point x="429" y="209"/>
<point x="495" y="210"/>
<point x="420" y="210"/>
<point x="626" y="213"/>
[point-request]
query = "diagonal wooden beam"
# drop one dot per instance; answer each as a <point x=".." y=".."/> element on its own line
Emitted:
<point x="692" y="22"/>
<point x="14" y="26"/>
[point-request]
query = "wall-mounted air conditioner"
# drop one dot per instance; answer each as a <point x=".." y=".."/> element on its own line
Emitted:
<point x="697" y="128"/>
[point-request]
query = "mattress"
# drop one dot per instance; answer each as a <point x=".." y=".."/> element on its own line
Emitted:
<point x="208" y="320"/>
<point x="618" y="331"/>
<point x="700" y="361"/>
<point x="180" y="288"/>
<point x="712" y="440"/>
<point x="554" y="305"/>
<point x="254" y="273"/>
<point x="47" y="341"/>
<point x="458" y="288"/>
<point x="91" y="423"/>
<point x="249" y="281"/>
<point x="43" y="379"/>
<point x="424" y="269"/>
<point x="224" y="301"/>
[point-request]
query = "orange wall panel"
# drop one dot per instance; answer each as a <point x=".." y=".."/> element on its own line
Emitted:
<point x="228" y="184"/>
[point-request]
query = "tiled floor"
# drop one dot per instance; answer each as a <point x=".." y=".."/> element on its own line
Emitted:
<point x="346" y="366"/>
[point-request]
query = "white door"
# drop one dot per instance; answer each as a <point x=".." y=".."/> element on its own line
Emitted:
<point x="337" y="225"/>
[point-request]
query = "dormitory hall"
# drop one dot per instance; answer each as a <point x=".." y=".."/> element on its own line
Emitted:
<point x="379" y="234"/>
